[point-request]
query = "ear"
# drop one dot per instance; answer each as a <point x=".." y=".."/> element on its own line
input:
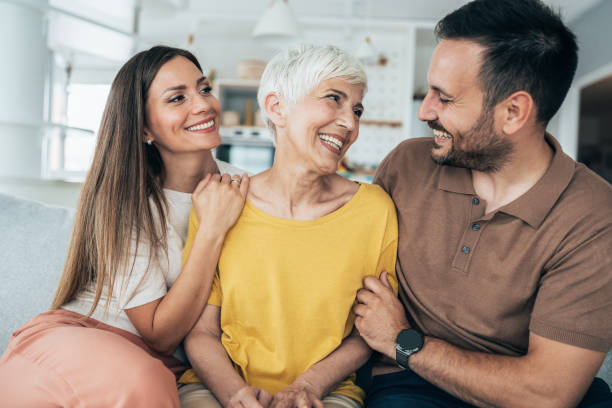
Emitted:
<point x="276" y="109"/>
<point x="516" y="111"/>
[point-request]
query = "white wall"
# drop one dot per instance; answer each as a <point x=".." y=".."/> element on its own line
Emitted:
<point x="22" y="80"/>
<point x="594" y="32"/>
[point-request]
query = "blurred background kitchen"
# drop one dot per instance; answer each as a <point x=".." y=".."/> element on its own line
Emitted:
<point x="60" y="56"/>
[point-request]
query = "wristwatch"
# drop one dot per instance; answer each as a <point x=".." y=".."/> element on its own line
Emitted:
<point x="408" y="342"/>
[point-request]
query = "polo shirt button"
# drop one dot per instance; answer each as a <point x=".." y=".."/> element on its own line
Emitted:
<point x="465" y="250"/>
<point x="475" y="227"/>
<point x="475" y="201"/>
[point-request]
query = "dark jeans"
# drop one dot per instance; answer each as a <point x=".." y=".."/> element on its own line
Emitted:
<point x="406" y="389"/>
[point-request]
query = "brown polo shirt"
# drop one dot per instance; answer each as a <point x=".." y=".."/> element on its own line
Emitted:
<point x="542" y="263"/>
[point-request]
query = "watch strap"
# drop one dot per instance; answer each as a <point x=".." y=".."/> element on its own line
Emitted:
<point x="401" y="358"/>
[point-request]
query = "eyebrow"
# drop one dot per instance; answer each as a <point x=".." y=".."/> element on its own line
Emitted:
<point x="344" y="95"/>
<point x="183" y="87"/>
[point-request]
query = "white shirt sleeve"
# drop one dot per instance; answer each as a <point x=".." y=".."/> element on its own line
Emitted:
<point x="146" y="282"/>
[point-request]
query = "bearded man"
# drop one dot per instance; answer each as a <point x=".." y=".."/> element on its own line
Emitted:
<point x="505" y="242"/>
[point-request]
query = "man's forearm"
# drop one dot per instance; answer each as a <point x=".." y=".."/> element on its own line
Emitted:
<point x="484" y="380"/>
<point x="550" y="374"/>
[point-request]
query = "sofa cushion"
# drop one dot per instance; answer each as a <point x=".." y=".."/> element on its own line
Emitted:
<point x="605" y="371"/>
<point x="34" y="240"/>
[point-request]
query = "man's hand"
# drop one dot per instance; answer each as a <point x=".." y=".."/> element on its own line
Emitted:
<point x="250" y="397"/>
<point x="299" y="395"/>
<point x="379" y="314"/>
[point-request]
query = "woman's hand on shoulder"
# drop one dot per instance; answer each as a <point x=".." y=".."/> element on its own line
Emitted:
<point x="218" y="201"/>
<point x="250" y="397"/>
<point x="299" y="395"/>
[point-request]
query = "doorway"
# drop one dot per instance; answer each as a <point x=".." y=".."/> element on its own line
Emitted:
<point x="595" y="139"/>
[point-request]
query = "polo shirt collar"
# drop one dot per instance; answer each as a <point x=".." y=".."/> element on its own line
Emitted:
<point x="533" y="206"/>
<point x="456" y="180"/>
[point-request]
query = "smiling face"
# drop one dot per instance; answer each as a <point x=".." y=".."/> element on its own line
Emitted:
<point x="323" y="125"/>
<point x="464" y="131"/>
<point x="182" y="114"/>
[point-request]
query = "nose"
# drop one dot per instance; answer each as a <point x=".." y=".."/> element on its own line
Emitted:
<point x="426" y="111"/>
<point x="347" y="119"/>
<point x="203" y="103"/>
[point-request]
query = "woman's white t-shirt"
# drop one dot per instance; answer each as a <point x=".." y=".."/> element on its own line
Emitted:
<point x="149" y="281"/>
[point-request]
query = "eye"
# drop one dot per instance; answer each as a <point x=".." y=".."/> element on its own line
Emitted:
<point x="206" y="90"/>
<point x="443" y="100"/>
<point x="358" y="112"/>
<point x="334" y="97"/>
<point x="177" y="98"/>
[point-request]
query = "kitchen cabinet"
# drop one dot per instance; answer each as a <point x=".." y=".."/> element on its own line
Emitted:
<point x="239" y="122"/>
<point x="245" y="143"/>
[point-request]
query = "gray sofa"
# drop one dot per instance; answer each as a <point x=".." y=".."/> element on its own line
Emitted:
<point x="33" y="239"/>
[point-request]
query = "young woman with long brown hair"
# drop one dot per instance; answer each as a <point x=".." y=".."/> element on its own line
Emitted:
<point x="123" y="303"/>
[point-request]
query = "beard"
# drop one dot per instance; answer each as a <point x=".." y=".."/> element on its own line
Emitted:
<point x="486" y="150"/>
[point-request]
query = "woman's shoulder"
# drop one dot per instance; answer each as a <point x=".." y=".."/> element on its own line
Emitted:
<point x="375" y="193"/>
<point x="371" y="198"/>
<point x="373" y="207"/>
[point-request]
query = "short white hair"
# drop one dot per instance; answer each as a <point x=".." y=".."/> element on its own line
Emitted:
<point x="293" y="73"/>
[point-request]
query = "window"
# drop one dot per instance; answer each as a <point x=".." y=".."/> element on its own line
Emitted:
<point x="69" y="148"/>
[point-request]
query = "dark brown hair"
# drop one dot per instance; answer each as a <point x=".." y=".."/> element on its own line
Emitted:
<point x="123" y="189"/>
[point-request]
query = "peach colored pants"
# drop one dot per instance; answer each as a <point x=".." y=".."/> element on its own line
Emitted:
<point x="62" y="359"/>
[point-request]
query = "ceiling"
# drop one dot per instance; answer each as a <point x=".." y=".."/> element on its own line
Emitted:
<point x="387" y="9"/>
<point x="172" y="21"/>
<point x="169" y="19"/>
<point x="174" y="17"/>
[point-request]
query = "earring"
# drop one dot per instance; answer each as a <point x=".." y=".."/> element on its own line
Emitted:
<point x="149" y="142"/>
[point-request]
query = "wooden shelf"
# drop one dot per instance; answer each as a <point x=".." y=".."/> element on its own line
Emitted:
<point x="246" y="141"/>
<point x="390" y="123"/>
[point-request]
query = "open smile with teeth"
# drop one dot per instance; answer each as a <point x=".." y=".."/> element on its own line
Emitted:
<point x="202" y="126"/>
<point x="441" y="134"/>
<point x="331" y="141"/>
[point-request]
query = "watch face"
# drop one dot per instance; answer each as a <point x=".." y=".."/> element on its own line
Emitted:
<point x="410" y="341"/>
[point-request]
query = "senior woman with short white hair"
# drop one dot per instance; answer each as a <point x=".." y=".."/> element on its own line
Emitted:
<point x="278" y="327"/>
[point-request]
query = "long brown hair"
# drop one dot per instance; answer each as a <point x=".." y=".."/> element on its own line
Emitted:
<point x="123" y="189"/>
